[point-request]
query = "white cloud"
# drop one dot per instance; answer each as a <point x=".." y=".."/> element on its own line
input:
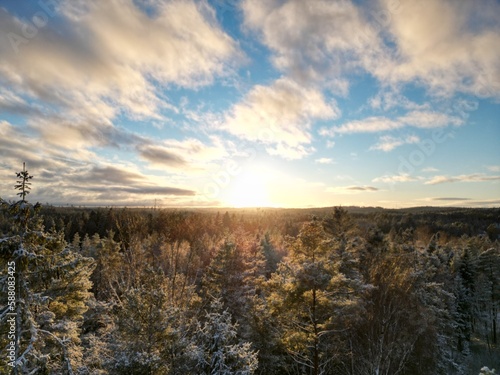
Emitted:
<point x="180" y="44"/>
<point x="113" y="57"/>
<point x="430" y="169"/>
<point x="76" y="176"/>
<point x="189" y="156"/>
<point x="313" y="41"/>
<point x="20" y="144"/>
<point x="395" y="178"/>
<point x="324" y="161"/>
<point x="368" y="125"/>
<point x="387" y="99"/>
<point x="478" y="177"/>
<point x="374" y="124"/>
<point x="290" y="152"/>
<point x="388" y="143"/>
<point x="448" y="46"/>
<point x="430" y="119"/>
<point x="444" y="45"/>
<point x="280" y="116"/>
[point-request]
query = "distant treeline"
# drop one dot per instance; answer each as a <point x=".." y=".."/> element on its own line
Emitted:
<point x="345" y="291"/>
<point x="423" y="221"/>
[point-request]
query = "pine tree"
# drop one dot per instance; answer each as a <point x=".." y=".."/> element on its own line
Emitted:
<point x="51" y="285"/>
<point x="314" y="293"/>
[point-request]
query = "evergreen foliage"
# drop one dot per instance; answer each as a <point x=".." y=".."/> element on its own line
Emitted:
<point x="51" y="290"/>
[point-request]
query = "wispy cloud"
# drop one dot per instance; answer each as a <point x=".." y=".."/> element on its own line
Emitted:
<point x="161" y="156"/>
<point x="460" y="202"/>
<point x="369" y="125"/>
<point x="353" y="189"/>
<point x="430" y="119"/>
<point x="395" y="178"/>
<point x="451" y="199"/>
<point x="375" y="124"/>
<point x="388" y="143"/>
<point x="387" y="99"/>
<point x="478" y="177"/>
<point x="430" y="169"/>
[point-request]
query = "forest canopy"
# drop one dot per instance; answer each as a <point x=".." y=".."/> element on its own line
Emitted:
<point x="249" y="291"/>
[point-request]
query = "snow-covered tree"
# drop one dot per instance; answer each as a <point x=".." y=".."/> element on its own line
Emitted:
<point x="216" y="349"/>
<point x="155" y="322"/>
<point x="224" y="277"/>
<point x="50" y="285"/>
<point x="489" y="290"/>
<point x="486" y="371"/>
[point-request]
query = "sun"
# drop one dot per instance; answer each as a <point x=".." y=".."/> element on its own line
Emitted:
<point x="248" y="190"/>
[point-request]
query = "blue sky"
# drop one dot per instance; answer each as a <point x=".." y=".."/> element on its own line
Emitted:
<point x="285" y="103"/>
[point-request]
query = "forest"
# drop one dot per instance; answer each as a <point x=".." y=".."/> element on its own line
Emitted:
<point x="338" y="290"/>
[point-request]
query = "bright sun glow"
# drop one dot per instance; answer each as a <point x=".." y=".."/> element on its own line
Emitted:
<point x="248" y="190"/>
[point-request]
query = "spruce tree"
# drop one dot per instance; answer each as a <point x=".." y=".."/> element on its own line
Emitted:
<point x="49" y="287"/>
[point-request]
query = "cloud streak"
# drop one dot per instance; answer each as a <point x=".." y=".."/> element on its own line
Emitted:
<point x="451" y="199"/>
<point x="417" y="119"/>
<point x="389" y="179"/>
<point x="353" y="189"/>
<point x="477" y="177"/>
<point x="388" y="143"/>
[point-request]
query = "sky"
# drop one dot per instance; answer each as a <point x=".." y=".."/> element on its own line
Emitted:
<point x="279" y="103"/>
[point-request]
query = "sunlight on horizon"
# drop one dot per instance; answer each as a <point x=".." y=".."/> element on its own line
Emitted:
<point x="250" y="189"/>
